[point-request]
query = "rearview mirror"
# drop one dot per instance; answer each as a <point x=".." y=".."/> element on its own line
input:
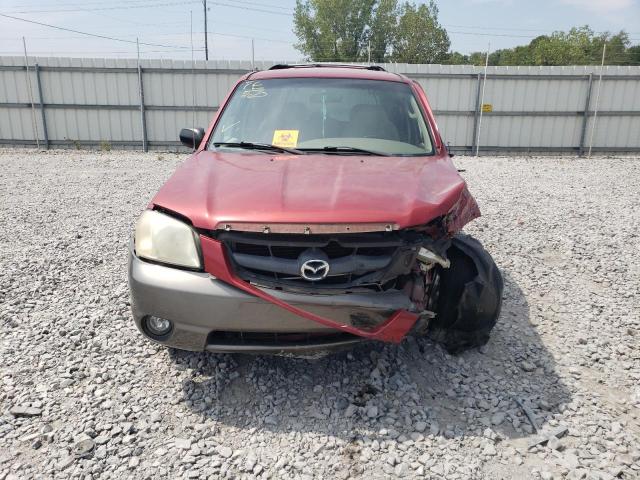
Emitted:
<point x="191" y="137"/>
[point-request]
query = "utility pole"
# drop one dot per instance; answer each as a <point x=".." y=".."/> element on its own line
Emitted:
<point x="253" y="55"/>
<point x="206" y="43"/>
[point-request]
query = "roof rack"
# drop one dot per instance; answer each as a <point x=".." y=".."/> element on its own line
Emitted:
<point x="283" y="66"/>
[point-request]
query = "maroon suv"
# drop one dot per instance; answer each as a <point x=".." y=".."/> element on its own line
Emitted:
<point x="321" y="208"/>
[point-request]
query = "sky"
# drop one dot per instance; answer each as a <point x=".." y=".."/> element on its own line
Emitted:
<point x="164" y="26"/>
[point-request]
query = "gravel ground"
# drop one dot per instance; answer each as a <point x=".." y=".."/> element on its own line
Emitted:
<point x="83" y="395"/>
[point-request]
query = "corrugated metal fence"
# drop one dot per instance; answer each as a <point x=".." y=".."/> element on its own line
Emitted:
<point x="120" y="103"/>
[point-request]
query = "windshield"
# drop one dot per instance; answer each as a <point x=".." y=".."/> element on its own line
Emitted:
<point x="316" y="113"/>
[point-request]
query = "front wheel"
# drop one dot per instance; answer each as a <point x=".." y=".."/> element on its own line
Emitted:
<point x="469" y="297"/>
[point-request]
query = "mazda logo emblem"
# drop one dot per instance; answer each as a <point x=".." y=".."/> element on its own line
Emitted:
<point x="314" y="270"/>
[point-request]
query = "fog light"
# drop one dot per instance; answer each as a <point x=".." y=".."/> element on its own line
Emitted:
<point x="158" y="326"/>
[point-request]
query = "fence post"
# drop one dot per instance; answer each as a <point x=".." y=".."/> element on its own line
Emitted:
<point x="476" y="114"/>
<point x="585" y="117"/>
<point x="44" y="119"/>
<point x="595" y="110"/>
<point x="145" y="143"/>
<point x="484" y="85"/>
<point x="34" y="123"/>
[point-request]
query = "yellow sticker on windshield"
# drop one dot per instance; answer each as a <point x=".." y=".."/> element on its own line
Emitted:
<point x="285" y="138"/>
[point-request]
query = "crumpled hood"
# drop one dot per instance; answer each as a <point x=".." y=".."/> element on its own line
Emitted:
<point x="213" y="188"/>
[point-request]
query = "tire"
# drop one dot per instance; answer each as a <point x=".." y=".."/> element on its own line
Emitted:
<point x="470" y="297"/>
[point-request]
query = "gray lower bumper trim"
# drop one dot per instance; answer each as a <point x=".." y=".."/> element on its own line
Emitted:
<point x="199" y="304"/>
<point x="284" y="348"/>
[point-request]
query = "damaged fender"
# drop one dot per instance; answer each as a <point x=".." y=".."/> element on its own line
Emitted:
<point x="463" y="211"/>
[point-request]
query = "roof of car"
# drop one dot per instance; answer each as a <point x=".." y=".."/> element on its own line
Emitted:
<point x="365" y="72"/>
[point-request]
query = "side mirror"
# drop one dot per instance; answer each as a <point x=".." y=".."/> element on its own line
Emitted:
<point x="191" y="137"/>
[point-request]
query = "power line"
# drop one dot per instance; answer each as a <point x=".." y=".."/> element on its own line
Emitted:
<point x="278" y="10"/>
<point x="73" y="4"/>
<point x="253" y="2"/>
<point x="242" y="4"/>
<point x="262" y="4"/>
<point x="92" y="34"/>
<point x="111" y="17"/>
<point x="253" y="9"/>
<point x="479" y="27"/>
<point x="169" y="34"/>
<point x="231" y="24"/>
<point x="123" y="7"/>
<point x="58" y="52"/>
<point x="542" y="32"/>
<point x="251" y="37"/>
<point x="262" y="7"/>
<point x="270" y="6"/>
<point x="479" y="34"/>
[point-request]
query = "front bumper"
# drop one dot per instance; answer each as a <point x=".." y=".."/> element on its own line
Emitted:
<point x="210" y="314"/>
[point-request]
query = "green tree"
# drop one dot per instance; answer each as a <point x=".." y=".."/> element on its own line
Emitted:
<point x="351" y="30"/>
<point x="380" y="35"/>
<point x="419" y="37"/>
<point x="382" y="30"/>
<point x="477" y="58"/>
<point x="578" y="46"/>
<point x="633" y="55"/>
<point x="457" y="58"/>
<point x="333" y="30"/>
<point x="617" y="48"/>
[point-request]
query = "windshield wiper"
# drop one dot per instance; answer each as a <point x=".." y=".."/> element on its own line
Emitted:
<point x="257" y="146"/>
<point x="346" y="150"/>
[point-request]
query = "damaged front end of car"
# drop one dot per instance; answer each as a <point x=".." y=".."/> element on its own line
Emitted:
<point x="392" y="275"/>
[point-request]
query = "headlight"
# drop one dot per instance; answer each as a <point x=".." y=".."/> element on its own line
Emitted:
<point x="164" y="239"/>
